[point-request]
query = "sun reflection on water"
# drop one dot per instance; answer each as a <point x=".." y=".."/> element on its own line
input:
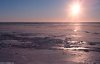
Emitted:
<point x="77" y="28"/>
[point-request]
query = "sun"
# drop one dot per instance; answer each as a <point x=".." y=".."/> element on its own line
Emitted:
<point x="75" y="9"/>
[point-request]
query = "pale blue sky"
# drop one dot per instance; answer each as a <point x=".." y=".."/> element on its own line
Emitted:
<point x="16" y="10"/>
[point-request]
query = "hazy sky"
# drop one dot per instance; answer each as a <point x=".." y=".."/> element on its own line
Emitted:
<point x="46" y="10"/>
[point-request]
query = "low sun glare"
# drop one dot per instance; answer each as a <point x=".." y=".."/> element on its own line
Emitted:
<point x="75" y="8"/>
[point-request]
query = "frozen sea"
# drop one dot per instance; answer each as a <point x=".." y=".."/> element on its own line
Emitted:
<point x="83" y="41"/>
<point x="83" y="31"/>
